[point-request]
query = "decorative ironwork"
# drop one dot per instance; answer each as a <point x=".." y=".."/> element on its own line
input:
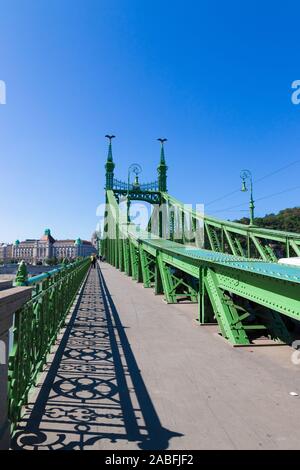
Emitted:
<point x="121" y="185"/>
<point x="36" y="327"/>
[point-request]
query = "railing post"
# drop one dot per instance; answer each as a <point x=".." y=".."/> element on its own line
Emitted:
<point x="11" y="300"/>
<point x="22" y="275"/>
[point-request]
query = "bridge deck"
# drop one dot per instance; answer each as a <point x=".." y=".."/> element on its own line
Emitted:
<point x="133" y="372"/>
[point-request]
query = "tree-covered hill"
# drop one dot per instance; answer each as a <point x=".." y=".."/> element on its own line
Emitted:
<point x="286" y="219"/>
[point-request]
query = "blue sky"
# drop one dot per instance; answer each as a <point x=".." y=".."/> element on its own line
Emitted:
<point x="213" y="77"/>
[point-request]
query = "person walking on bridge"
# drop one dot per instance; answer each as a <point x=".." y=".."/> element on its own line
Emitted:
<point x="93" y="261"/>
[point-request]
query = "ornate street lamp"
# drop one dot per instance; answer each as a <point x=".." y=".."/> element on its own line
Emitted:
<point x="136" y="169"/>
<point x="247" y="175"/>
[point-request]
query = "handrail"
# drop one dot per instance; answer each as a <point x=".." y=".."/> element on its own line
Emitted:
<point x="42" y="276"/>
<point x="47" y="274"/>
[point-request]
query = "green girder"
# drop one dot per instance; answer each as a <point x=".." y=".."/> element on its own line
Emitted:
<point x="256" y="239"/>
<point x="242" y="294"/>
<point x="148" y="267"/>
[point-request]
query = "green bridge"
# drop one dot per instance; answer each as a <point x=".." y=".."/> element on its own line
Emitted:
<point x="235" y="264"/>
<point x="91" y="356"/>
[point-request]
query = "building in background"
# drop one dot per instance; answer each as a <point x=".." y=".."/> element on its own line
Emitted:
<point x="5" y="252"/>
<point x="72" y="248"/>
<point x="95" y="238"/>
<point x="46" y="249"/>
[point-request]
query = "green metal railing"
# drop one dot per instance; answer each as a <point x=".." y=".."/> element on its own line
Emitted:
<point x="36" y="327"/>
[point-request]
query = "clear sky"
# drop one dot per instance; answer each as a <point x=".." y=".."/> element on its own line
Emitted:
<point x="213" y="77"/>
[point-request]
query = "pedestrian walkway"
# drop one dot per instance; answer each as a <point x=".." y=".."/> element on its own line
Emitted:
<point x="131" y="372"/>
<point x="93" y="396"/>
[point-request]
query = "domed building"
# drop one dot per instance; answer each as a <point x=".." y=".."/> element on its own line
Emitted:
<point x="72" y="248"/>
<point x="34" y="251"/>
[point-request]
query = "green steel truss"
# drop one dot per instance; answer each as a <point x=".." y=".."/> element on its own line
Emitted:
<point x="239" y="239"/>
<point x="244" y="296"/>
<point x="229" y="269"/>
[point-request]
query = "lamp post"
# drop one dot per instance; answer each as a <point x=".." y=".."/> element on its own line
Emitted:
<point x="246" y="174"/>
<point x="136" y="169"/>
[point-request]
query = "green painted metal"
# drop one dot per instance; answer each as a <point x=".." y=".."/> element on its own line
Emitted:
<point x="213" y="238"/>
<point x="226" y="314"/>
<point x="126" y="253"/>
<point x="147" y="267"/>
<point x="256" y="240"/>
<point x="166" y="280"/>
<point x="162" y="168"/>
<point x="246" y="174"/>
<point x="36" y="327"/>
<point x="237" y="281"/>
<point x="175" y="287"/>
<point x="135" y="262"/>
<point x="22" y="275"/>
<point x="231" y="243"/>
<point x="109" y="166"/>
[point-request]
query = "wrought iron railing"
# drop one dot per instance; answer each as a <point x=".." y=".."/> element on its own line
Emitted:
<point x="150" y="186"/>
<point x="117" y="184"/>
<point x="36" y="327"/>
<point x="121" y="185"/>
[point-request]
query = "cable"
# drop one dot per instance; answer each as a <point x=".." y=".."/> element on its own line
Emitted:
<point x="229" y="208"/>
<point x="240" y="210"/>
<point x="259" y="199"/>
<point x="223" y="197"/>
<point x="277" y="194"/>
<point x="255" y="181"/>
<point x="276" y="171"/>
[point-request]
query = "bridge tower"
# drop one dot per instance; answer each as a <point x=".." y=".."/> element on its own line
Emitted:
<point x="162" y="168"/>
<point x="148" y="192"/>
<point x="121" y="253"/>
<point x="109" y="166"/>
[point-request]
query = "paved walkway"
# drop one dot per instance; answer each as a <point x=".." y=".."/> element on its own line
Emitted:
<point x="132" y="372"/>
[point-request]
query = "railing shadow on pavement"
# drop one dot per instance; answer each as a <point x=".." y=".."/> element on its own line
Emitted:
<point x="93" y="395"/>
<point x="157" y="436"/>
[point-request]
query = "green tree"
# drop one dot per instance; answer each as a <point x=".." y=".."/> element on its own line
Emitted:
<point x="287" y="220"/>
